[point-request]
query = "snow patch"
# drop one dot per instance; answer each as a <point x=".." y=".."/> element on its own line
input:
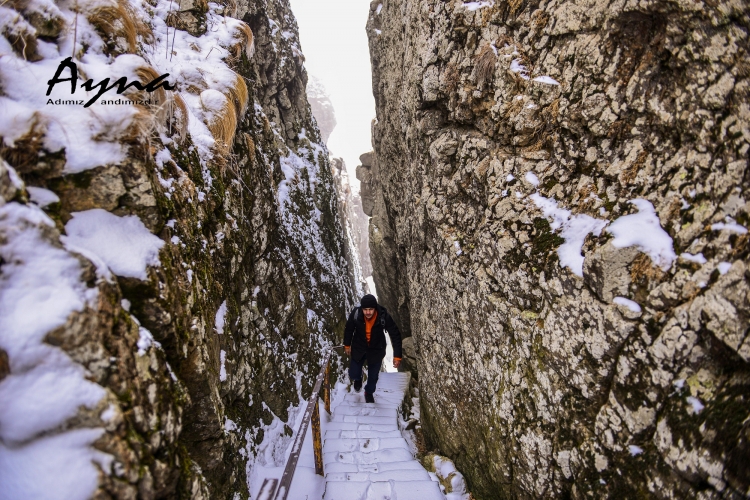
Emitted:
<point x="699" y="258"/>
<point x="635" y="450"/>
<point x="108" y="414"/>
<point x="40" y="287"/>
<point x="520" y="69"/>
<point x="696" y="404"/>
<point x="724" y="267"/>
<point x="223" y="370"/>
<point x="446" y="471"/>
<point x="123" y="243"/>
<point x="145" y="340"/>
<point x="54" y="467"/>
<point x="546" y="79"/>
<point x="729" y="225"/>
<point x="574" y="229"/>
<point x="472" y="6"/>
<point x="532" y="179"/>
<point x="42" y="197"/>
<point x="622" y="301"/>
<point x="220" y="319"/>
<point x="643" y="231"/>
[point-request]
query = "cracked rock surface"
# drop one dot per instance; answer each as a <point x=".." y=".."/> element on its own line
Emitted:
<point x="624" y="377"/>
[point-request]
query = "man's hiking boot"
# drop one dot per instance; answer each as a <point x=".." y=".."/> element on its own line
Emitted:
<point x="369" y="398"/>
<point x="357" y="385"/>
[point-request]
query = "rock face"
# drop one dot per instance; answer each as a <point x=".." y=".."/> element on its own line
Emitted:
<point x="356" y="222"/>
<point x="186" y="361"/>
<point x="559" y="212"/>
<point x="321" y="107"/>
<point x="387" y="268"/>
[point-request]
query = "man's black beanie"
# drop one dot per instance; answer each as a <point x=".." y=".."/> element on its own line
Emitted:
<point x="368" y="301"/>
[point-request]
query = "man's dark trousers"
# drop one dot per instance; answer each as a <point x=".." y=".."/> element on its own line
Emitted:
<point x="373" y="369"/>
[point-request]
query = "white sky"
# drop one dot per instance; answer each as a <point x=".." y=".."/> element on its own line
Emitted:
<point x="334" y="41"/>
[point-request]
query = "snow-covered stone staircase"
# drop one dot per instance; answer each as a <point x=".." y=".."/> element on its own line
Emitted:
<point x="365" y="456"/>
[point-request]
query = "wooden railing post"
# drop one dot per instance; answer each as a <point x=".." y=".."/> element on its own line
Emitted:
<point x="327" y="387"/>
<point x="317" y="443"/>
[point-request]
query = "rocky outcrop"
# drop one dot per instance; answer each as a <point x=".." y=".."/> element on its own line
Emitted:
<point x="191" y="254"/>
<point x="387" y="268"/>
<point x="367" y="176"/>
<point x="356" y="223"/>
<point x="559" y="218"/>
<point x="321" y="107"/>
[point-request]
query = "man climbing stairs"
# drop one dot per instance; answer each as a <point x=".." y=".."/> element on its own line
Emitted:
<point x="365" y="456"/>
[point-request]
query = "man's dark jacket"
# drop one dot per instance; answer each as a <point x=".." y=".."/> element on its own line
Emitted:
<point x="355" y="336"/>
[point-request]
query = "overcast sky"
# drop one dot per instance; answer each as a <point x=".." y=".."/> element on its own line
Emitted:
<point x="333" y="38"/>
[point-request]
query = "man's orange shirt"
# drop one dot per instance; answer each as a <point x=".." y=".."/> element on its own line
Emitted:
<point x="369" y="323"/>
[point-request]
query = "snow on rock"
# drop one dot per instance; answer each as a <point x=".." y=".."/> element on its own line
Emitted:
<point x="633" y="306"/>
<point x="40" y="287"/>
<point x="729" y="225"/>
<point x="446" y="471"/>
<point x="724" y="267"/>
<point x="696" y="404"/>
<point x="698" y="258"/>
<point x="574" y="229"/>
<point x="532" y="179"/>
<point x="472" y="6"/>
<point x="520" y="69"/>
<point x="123" y="243"/>
<point x="42" y="197"/>
<point x="643" y="231"/>
<point x="145" y="340"/>
<point x="223" y="370"/>
<point x="221" y="314"/>
<point x="546" y="79"/>
<point x="93" y="136"/>
<point x="55" y="467"/>
<point x="635" y="450"/>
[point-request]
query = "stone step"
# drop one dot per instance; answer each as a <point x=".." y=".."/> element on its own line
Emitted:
<point x="361" y="434"/>
<point x="354" y="426"/>
<point x="338" y="467"/>
<point x="379" y="403"/>
<point x="365" y="419"/>
<point x="365" y="410"/>
<point x="365" y="445"/>
<point x="366" y="457"/>
<point x="358" y="457"/>
<point x="391" y="475"/>
<point x="383" y="490"/>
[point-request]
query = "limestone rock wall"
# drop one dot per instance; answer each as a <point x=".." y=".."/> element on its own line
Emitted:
<point x="624" y="375"/>
<point x="356" y="222"/>
<point x="223" y="332"/>
<point x="321" y="107"/>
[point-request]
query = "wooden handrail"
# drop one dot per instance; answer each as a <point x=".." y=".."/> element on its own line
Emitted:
<point x="312" y="413"/>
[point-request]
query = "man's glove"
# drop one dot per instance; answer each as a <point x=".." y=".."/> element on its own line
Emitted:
<point x="348" y="350"/>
